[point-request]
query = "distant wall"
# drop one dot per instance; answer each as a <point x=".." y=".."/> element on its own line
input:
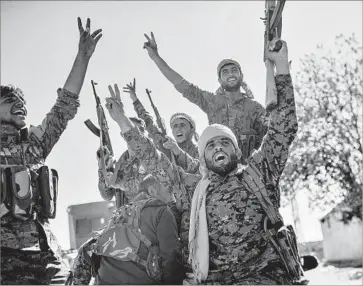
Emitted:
<point x="342" y="241"/>
<point x="84" y="219"/>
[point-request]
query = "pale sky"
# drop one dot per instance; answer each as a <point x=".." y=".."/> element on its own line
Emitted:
<point x="39" y="41"/>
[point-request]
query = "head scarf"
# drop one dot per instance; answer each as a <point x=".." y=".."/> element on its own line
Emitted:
<point x="246" y="88"/>
<point x="189" y="119"/>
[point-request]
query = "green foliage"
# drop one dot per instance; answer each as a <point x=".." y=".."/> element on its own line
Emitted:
<point x="326" y="156"/>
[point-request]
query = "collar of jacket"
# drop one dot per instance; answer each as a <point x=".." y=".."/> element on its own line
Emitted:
<point x="10" y="134"/>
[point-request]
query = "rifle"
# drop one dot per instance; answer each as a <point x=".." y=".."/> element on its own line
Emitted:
<point x="161" y="125"/>
<point x="105" y="141"/>
<point x="160" y="122"/>
<point x="273" y="28"/>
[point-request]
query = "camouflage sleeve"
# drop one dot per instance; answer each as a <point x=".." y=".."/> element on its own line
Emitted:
<point x="152" y="129"/>
<point x="158" y="164"/>
<point x="187" y="162"/>
<point x="202" y="98"/>
<point x="273" y="153"/>
<point x="106" y="192"/>
<point x="260" y="124"/>
<point x="48" y="133"/>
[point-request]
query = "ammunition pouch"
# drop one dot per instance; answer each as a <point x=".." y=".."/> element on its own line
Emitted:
<point x="24" y="190"/>
<point x="47" y="187"/>
<point x="284" y="241"/>
<point x="18" y="193"/>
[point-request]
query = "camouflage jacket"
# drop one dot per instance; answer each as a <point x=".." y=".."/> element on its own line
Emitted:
<point x="244" y="116"/>
<point x="130" y="173"/>
<point x="235" y="216"/>
<point x="190" y="163"/>
<point x="34" y="234"/>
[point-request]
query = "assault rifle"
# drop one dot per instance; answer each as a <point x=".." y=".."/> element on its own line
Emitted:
<point x="161" y="125"/>
<point x="160" y="122"/>
<point x="273" y="28"/>
<point x="105" y="141"/>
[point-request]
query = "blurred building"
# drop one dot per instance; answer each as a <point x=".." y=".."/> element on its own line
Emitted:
<point x="342" y="234"/>
<point x="85" y="219"/>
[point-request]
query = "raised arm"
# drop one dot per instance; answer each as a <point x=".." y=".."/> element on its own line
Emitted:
<point x="182" y="158"/>
<point x="273" y="153"/>
<point x="152" y="129"/>
<point x="65" y="108"/>
<point x="106" y="192"/>
<point x="193" y="93"/>
<point x="155" y="162"/>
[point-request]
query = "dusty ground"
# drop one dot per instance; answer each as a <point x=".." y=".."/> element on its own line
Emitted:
<point x="330" y="275"/>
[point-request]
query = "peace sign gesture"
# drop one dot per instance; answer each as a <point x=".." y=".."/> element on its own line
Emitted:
<point x="151" y="46"/>
<point x="131" y="89"/>
<point x="114" y="104"/>
<point x="87" y="41"/>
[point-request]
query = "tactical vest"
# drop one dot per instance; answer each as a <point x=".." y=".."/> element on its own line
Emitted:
<point x="282" y="237"/>
<point x="26" y="189"/>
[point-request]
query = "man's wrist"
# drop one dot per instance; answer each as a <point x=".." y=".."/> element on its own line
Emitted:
<point x="83" y="57"/>
<point x="156" y="57"/>
<point x="282" y="67"/>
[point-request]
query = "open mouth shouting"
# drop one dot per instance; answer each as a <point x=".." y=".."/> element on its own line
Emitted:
<point x="232" y="79"/>
<point x="220" y="158"/>
<point x="179" y="135"/>
<point x="22" y="112"/>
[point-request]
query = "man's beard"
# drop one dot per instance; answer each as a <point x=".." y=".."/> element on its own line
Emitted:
<point x="12" y="122"/>
<point x="236" y="87"/>
<point x="225" y="169"/>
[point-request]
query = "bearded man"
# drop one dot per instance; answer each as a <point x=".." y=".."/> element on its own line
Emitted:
<point x="228" y="106"/>
<point x="30" y="253"/>
<point x="234" y="210"/>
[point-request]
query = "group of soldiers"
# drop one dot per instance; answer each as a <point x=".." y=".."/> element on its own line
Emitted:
<point x="197" y="209"/>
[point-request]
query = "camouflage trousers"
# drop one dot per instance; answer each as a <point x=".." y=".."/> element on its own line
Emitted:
<point x="19" y="267"/>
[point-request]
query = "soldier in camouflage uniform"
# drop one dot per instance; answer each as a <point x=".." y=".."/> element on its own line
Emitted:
<point x="128" y="172"/>
<point x="185" y="152"/>
<point x="183" y="128"/>
<point x="228" y="106"/>
<point x="227" y="238"/>
<point x="30" y="253"/>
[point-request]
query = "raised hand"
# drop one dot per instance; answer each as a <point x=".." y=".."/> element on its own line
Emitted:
<point x="131" y="89"/>
<point x="87" y="41"/>
<point x="107" y="157"/>
<point x="172" y="145"/>
<point x="114" y="104"/>
<point x="279" y="56"/>
<point x="151" y="46"/>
